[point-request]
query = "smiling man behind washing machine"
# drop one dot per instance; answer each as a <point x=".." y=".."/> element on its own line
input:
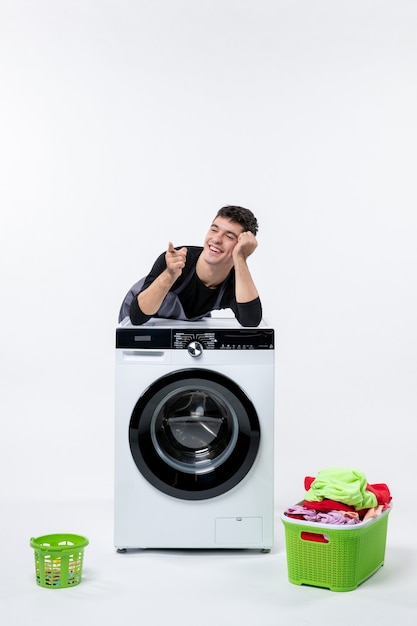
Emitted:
<point x="187" y="283"/>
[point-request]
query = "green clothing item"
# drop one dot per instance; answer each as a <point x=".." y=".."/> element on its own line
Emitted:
<point x="342" y="485"/>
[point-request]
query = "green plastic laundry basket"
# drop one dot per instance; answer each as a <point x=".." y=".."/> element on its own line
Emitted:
<point x="336" y="557"/>
<point x="58" y="560"/>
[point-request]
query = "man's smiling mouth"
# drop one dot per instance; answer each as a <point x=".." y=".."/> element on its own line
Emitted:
<point x="215" y="249"/>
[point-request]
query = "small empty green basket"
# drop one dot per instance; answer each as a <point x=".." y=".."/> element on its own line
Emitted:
<point x="58" y="560"/>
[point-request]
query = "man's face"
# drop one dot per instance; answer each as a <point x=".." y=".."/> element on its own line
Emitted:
<point x="220" y="241"/>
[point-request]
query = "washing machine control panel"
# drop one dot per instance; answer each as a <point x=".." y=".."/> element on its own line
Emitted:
<point x="195" y="340"/>
<point x="237" y="339"/>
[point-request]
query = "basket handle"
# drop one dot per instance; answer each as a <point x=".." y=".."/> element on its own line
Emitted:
<point x="317" y="537"/>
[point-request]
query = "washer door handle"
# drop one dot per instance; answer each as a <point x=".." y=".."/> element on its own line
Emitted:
<point x="195" y="349"/>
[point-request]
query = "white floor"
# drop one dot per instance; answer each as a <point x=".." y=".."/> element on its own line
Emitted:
<point x="188" y="588"/>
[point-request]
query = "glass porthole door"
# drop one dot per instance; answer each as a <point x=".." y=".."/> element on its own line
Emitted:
<point x="194" y="434"/>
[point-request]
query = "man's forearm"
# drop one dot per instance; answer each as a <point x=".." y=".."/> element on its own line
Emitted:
<point x="151" y="298"/>
<point x="245" y="289"/>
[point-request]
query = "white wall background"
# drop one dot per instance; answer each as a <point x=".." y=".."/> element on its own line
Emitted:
<point x="128" y="123"/>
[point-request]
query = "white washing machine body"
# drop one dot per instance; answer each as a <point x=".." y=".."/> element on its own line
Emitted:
<point x="194" y="435"/>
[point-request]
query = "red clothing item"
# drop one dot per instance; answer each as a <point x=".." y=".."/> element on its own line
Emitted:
<point x="381" y="491"/>
<point x="307" y="482"/>
<point x="327" y="505"/>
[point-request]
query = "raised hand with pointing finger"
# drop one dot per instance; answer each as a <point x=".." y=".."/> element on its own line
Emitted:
<point x="175" y="260"/>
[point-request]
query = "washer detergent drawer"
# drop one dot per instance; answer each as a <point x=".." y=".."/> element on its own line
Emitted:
<point x="239" y="531"/>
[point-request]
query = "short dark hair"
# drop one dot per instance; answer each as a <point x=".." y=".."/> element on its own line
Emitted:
<point x="242" y="216"/>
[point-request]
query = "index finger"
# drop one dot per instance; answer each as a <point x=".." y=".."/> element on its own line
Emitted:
<point x="171" y="247"/>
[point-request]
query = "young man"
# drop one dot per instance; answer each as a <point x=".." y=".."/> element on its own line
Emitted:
<point x="189" y="282"/>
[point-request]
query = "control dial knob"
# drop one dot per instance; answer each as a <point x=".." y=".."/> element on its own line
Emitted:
<point x="195" y="349"/>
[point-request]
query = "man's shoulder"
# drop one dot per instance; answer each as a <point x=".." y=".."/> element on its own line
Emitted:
<point x="193" y="252"/>
<point x="192" y="249"/>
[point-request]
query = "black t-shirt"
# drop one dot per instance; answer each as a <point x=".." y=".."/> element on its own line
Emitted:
<point x="196" y="298"/>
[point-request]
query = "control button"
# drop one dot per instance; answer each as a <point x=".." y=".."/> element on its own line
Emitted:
<point x="195" y="349"/>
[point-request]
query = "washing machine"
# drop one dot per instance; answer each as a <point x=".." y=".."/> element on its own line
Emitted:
<point x="194" y="435"/>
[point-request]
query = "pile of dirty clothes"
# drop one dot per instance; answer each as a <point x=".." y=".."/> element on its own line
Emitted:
<point x="340" y="496"/>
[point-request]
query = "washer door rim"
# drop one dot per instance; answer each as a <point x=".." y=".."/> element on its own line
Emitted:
<point x="216" y="479"/>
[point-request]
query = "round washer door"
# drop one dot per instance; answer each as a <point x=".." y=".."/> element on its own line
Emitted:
<point x="194" y="434"/>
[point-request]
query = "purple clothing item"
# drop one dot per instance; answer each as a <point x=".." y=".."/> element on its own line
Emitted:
<point x="335" y="517"/>
<point x="331" y="517"/>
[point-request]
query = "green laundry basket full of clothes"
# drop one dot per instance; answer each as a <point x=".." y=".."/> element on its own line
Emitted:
<point x="58" y="560"/>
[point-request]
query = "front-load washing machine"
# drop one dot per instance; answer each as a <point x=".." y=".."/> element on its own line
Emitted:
<point x="194" y="435"/>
